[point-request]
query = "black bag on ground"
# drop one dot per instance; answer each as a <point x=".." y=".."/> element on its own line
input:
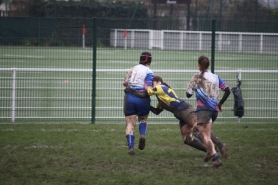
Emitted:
<point x="238" y="101"/>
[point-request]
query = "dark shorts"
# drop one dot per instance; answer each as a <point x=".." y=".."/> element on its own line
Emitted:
<point x="134" y="105"/>
<point x="203" y="116"/>
<point x="184" y="112"/>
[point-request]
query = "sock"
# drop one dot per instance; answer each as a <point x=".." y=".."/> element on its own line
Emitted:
<point x="216" y="141"/>
<point x="130" y="140"/>
<point x="197" y="144"/>
<point x="143" y="128"/>
<point x="198" y="135"/>
<point x="215" y="157"/>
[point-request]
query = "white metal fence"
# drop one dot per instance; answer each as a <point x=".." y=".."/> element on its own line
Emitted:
<point x="195" y="40"/>
<point x="47" y="99"/>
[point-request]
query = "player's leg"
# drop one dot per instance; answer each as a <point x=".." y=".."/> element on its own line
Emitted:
<point x="204" y="129"/>
<point x="130" y="116"/>
<point x="223" y="148"/>
<point x="143" y="110"/>
<point x="143" y="131"/>
<point x="187" y="116"/>
<point x="204" y="125"/>
<point x="186" y="132"/>
<point x="130" y="125"/>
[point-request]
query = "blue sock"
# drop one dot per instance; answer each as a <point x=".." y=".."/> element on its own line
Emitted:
<point x="130" y="140"/>
<point x="143" y="128"/>
<point x="198" y="135"/>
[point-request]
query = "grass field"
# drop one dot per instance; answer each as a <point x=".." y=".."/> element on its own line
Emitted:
<point x="36" y="154"/>
<point x="67" y="96"/>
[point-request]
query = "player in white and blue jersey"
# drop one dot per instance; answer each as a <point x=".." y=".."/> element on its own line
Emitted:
<point x="137" y="101"/>
<point x="207" y="85"/>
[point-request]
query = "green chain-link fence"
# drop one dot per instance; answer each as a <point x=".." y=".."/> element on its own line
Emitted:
<point x="71" y="70"/>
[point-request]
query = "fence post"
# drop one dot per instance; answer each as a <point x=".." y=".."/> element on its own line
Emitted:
<point x="13" y="95"/>
<point x="94" y="70"/>
<point x="212" y="44"/>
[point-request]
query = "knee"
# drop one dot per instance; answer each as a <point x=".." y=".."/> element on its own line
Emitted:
<point x="129" y="128"/>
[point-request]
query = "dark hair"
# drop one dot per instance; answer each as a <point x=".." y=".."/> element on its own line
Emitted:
<point x="159" y="79"/>
<point x="203" y="61"/>
<point x="145" y="58"/>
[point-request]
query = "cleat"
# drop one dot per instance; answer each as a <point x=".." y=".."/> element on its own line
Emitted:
<point x="207" y="157"/>
<point x="142" y="141"/>
<point x="224" y="151"/>
<point x="131" y="151"/>
<point x="216" y="161"/>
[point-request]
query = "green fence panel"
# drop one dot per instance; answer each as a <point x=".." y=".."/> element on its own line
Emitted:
<point x="47" y="69"/>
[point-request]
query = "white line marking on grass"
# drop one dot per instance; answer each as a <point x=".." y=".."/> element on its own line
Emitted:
<point x="10" y="147"/>
<point x="23" y="56"/>
<point x="42" y="146"/>
<point x="206" y="165"/>
<point x="8" y="129"/>
<point x="12" y="61"/>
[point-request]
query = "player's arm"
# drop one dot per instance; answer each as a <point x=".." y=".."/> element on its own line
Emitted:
<point x="151" y="91"/>
<point x="224" y="87"/>
<point x="149" y="79"/>
<point x="227" y="92"/>
<point x="188" y="95"/>
<point x="157" y="110"/>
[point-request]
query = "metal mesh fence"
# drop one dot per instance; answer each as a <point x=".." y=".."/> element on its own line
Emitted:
<point x="46" y="67"/>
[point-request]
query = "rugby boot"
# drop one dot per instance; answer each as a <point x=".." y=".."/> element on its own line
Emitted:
<point x="224" y="150"/>
<point x="216" y="161"/>
<point x="131" y="151"/>
<point x="142" y="142"/>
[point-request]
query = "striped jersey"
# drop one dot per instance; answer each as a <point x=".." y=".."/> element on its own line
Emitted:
<point x="139" y="76"/>
<point x="167" y="98"/>
<point x="207" y="90"/>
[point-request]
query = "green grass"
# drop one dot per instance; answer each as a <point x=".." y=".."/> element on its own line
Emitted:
<point x="96" y="154"/>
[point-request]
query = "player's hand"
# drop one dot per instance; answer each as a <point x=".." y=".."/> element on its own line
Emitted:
<point x="220" y="107"/>
<point x="125" y="84"/>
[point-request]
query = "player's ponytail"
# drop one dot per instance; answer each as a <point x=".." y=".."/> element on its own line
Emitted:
<point x="203" y="61"/>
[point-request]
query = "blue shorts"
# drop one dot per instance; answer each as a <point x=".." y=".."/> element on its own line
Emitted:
<point x="134" y="105"/>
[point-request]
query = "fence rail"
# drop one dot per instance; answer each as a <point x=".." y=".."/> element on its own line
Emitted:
<point x="78" y="106"/>
<point x="195" y="40"/>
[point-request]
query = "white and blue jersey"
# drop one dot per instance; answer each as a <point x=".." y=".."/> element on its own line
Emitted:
<point x="137" y="78"/>
<point x="207" y="90"/>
